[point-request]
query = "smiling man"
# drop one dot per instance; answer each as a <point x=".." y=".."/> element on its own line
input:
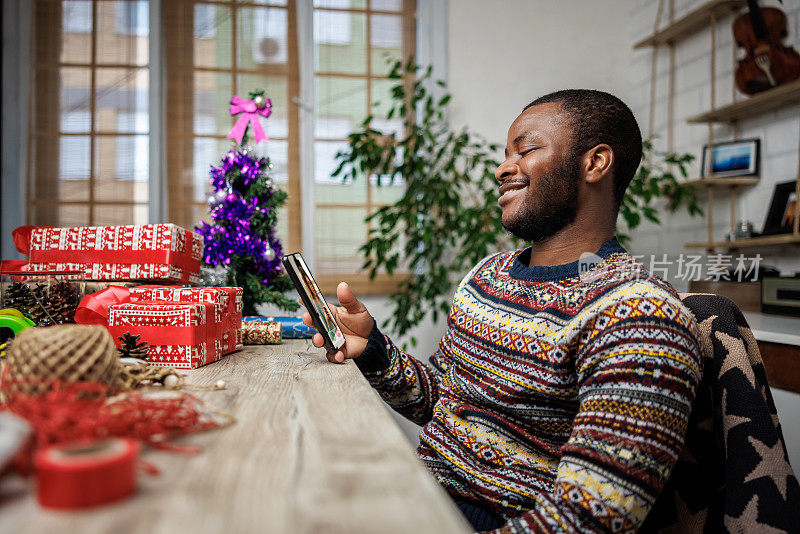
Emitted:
<point x="558" y="399"/>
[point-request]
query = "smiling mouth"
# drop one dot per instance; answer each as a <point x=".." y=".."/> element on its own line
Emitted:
<point x="509" y="189"/>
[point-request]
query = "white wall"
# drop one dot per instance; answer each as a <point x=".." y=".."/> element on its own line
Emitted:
<point x="778" y="131"/>
<point x="503" y="55"/>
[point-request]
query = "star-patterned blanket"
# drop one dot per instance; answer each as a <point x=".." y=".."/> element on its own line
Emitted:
<point x="734" y="452"/>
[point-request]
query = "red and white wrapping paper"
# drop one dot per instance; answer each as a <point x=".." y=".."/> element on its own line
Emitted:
<point x="136" y="252"/>
<point x="180" y="334"/>
<point x="233" y="321"/>
<point x="184" y="294"/>
<point x="227" y="300"/>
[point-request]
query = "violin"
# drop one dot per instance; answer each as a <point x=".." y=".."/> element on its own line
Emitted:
<point x="768" y="62"/>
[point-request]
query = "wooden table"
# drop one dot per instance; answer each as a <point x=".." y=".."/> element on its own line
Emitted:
<point x="314" y="450"/>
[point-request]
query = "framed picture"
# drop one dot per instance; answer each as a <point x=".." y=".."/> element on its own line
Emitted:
<point x="732" y="158"/>
<point x="782" y="210"/>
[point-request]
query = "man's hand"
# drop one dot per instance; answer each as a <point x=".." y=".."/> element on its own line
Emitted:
<point x="355" y="320"/>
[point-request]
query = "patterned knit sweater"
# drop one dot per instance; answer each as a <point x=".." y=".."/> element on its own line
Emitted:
<point x="557" y="399"/>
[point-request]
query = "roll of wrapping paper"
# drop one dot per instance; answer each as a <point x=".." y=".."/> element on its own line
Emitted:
<point x="86" y="473"/>
<point x="261" y="333"/>
<point x="291" y="327"/>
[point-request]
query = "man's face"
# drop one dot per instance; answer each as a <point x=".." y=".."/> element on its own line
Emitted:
<point x="539" y="179"/>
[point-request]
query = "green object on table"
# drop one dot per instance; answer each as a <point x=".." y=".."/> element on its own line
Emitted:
<point x="14" y="320"/>
<point x="11" y="320"/>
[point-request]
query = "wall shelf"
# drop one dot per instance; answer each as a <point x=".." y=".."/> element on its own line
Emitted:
<point x="752" y="242"/>
<point x="705" y="16"/>
<point x="732" y="181"/>
<point x="690" y="23"/>
<point x="764" y="102"/>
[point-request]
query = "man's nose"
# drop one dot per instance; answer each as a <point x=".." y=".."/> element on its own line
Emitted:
<point x="506" y="170"/>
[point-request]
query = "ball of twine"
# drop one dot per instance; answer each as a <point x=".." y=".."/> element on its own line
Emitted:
<point x="66" y="353"/>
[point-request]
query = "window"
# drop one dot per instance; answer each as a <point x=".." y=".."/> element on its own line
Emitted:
<point x="78" y="17"/>
<point x="132" y="152"/>
<point x="90" y="118"/>
<point x="353" y="41"/>
<point x="133" y="18"/>
<point x="205" y="27"/>
<point x="90" y="151"/>
<point x="219" y="50"/>
<point x="332" y="27"/>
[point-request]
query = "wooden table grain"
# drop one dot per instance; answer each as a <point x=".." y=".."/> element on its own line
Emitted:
<point x="313" y="450"/>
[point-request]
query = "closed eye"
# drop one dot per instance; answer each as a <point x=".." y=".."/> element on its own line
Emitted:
<point x="527" y="151"/>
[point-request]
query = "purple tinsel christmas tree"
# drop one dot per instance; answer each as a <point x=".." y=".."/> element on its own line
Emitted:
<point x="241" y="237"/>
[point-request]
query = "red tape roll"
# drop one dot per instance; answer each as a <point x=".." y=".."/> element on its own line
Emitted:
<point x="86" y="473"/>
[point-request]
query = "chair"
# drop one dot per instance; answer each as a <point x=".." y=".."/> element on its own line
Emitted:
<point x="733" y="473"/>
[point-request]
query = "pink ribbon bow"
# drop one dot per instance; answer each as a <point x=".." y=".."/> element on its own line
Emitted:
<point x="249" y="116"/>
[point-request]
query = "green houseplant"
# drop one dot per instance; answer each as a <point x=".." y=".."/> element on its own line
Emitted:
<point x="655" y="180"/>
<point x="448" y="218"/>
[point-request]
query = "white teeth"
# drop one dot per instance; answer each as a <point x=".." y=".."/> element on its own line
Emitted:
<point x="515" y="187"/>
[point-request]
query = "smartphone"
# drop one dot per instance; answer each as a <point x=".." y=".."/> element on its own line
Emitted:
<point x="323" y="318"/>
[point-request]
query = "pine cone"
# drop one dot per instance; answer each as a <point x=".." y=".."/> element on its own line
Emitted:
<point x="63" y="303"/>
<point x="132" y="348"/>
<point x="38" y="311"/>
<point x="19" y="297"/>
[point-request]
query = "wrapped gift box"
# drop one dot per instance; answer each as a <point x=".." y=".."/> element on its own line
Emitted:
<point x="143" y="252"/>
<point x="291" y="327"/>
<point x="261" y="333"/>
<point x="227" y="301"/>
<point x="233" y="321"/>
<point x="218" y="298"/>
<point x="180" y="334"/>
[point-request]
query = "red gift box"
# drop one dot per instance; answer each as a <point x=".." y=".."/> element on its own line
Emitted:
<point x="180" y="334"/>
<point x="228" y="298"/>
<point x="184" y="294"/>
<point x="143" y="252"/>
<point x="233" y="321"/>
<point x="223" y="298"/>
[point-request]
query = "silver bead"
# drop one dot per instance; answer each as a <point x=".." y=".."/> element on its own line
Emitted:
<point x="220" y="195"/>
<point x="269" y="254"/>
<point x="260" y="101"/>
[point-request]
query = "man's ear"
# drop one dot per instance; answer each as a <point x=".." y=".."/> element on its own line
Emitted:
<point x="598" y="163"/>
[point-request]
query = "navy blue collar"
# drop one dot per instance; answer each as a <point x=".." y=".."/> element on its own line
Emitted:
<point x="538" y="273"/>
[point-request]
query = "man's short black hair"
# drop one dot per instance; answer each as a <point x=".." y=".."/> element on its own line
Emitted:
<point x="598" y="117"/>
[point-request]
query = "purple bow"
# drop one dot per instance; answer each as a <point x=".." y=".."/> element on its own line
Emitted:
<point x="249" y="116"/>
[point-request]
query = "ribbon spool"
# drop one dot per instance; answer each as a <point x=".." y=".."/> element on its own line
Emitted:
<point x="86" y="473"/>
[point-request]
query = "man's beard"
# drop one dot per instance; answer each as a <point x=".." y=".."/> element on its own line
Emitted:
<point x="554" y="207"/>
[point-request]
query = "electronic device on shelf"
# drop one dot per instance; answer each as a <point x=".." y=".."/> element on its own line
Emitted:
<point x="780" y="295"/>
